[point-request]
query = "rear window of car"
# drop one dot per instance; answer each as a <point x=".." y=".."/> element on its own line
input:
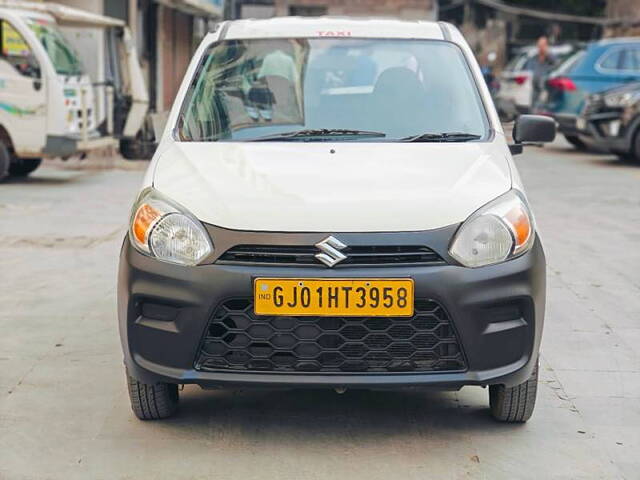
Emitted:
<point x="517" y="62"/>
<point x="570" y="64"/>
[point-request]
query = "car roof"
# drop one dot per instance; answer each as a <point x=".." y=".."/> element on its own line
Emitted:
<point x="617" y="41"/>
<point x="304" y="27"/>
<point x="530" y="50"/>
<point x="26" y="13"/>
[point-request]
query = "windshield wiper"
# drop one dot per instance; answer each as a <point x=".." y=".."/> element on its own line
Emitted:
<point x="318" y="133"/>
<point x="441" y="137"/>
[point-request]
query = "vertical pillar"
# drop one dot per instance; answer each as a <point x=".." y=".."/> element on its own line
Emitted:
<point x="133" y="18"/>
<point x="160" y="59"/>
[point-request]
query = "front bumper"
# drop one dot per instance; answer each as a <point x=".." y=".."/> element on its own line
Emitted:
<point x="510" y="107"/>
<point x="499" y="348"/>
<point x="69" y="145"/>
<point x="598" y="128"/>
<point x="567" y="124"/>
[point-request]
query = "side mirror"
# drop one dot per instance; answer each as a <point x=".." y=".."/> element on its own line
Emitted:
<point x="532" y="129"/>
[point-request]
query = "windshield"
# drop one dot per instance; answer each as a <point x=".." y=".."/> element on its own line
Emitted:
<point x="60" y="52"/>
<point x="378" y="90"/>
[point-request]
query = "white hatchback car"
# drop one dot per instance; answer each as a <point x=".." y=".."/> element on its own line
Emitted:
<point x="334" y="205"/>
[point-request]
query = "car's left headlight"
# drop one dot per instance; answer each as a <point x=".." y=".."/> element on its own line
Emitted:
<point x="162" y="229"/>
<point x="501" y="230"/>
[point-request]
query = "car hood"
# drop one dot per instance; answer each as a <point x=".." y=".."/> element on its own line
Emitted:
<point x="627" y="87"/>
<point x="332" y="187"/>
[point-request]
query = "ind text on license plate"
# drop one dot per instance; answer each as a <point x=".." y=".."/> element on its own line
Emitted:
<point x="329" y="297"/>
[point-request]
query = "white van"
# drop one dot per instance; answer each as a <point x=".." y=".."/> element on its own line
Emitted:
<point x="334" y="205"/>
<point x="43" y="88"/>
<point x="48" y="104"/>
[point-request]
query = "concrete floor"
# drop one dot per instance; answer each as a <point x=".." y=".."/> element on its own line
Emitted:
<point x="64" y="411"/>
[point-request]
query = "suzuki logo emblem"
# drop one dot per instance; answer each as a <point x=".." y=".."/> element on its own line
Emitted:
<point x="330" y="253"/>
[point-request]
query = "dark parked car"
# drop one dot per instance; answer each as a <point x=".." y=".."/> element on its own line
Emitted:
<point x="601" y="66"/>
<point x="611" y="121"/>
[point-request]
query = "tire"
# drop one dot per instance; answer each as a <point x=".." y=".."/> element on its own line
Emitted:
<point x="5" y="161"/>
<point x="142" y="147"/>
<point x="514" y="404"/>
<point x="152" y="402"/>
<point x="136" y="149"/>
<point x="626" y="157"/>
<point x="634" y="155"/>
<point x="576" y="142"/>
<point x="506" y="116"/>
<point x="24" y="166"/>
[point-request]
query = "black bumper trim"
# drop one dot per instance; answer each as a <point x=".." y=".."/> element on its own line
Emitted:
<point x="60" y="146"/>
<point x="511" y="374"/>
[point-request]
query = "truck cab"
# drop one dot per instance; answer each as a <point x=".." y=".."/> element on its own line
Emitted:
<point x="48" y="101"/>
<point x="46" y="98"/>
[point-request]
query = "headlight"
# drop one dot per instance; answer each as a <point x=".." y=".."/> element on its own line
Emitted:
<point x="500" y="230"/>
<point x="166" y="231"/>
<point x="621" y="100"/>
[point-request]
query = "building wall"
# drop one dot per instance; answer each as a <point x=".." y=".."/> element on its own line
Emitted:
<point x="407" y="9"/>
<point x="629" y="10"/>
<point x="176" y="49"/>
<point x="117" y="9"/>
<point x="89" y="44"/>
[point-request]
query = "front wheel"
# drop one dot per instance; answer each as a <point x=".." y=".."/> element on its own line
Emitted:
<point x="5" y="161"/>
<point x="576" y="142"/>
<point x="514" y="404"/>
<point x="142" y="147"/>
<point x="626" y="157"/>
<point x="634" y="155"/>
<point x="152" y="401"/>
<point x="24" y="166"/>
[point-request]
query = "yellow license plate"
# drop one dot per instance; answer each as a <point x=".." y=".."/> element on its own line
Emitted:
<point x="387" y="297"/>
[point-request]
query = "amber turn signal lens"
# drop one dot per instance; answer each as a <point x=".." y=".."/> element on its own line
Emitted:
<point x="144" y="218"/>
<point x="520" y="225"/>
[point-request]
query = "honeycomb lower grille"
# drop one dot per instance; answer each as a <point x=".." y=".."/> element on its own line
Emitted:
<point x="239" y="340"/>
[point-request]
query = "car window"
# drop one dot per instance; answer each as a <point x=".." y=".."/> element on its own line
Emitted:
<point x="517" y="62"/>
<point x="570" y="64"/>
<point x="15" y="50"/>
<point x="531" y="63"/>
<point x="631" y="60"/>
<point x="562" y="56"/>
<point x="62" y="55"/>
<point x="251" y="88"/>
<point x="611" y="60"/>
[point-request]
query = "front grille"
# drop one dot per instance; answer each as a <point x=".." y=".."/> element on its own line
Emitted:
<point x="361" y="256"/>
<point x="594" y="105"/>
<point x="239" y="340"/>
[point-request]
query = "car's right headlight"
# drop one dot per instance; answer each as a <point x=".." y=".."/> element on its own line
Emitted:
<point x="621" y="100"/>
<point x="162" y="229"/>
<point x="501" y="230"/>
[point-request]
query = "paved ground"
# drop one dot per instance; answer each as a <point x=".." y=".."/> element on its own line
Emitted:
<point x="64" y="411"/>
